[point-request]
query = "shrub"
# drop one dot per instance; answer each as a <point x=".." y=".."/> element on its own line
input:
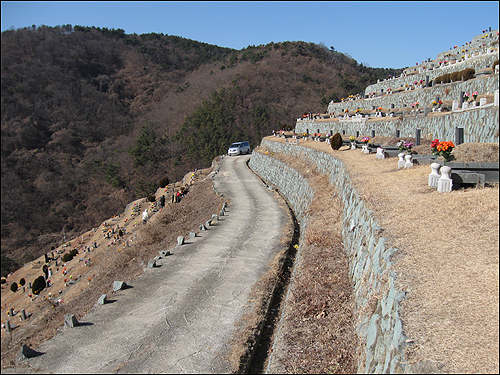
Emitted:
<point x="446" y="78"/>
<point x="438" y="79"/>
<point x="467" y="74"/>
<point x="495" y="63"/>
<point x="38" y="285"/>
<point x="455" y="76"/>
<point x="22" y="281"/>
<point x="163" y="182"/>
<point x="68" y="256"/>
<point x="13" y="287"/>
<point x="3" y="280"/>
<point x="151" y="198"/>
<point x="336" y="141"/>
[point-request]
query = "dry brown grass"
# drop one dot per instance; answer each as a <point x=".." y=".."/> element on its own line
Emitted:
<point x="447" y="259"/>
<point x="175" y="219"/>
<point x="319" y="321"/>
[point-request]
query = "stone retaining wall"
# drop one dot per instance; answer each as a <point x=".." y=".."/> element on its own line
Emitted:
<point x="477" y="63"/>
<point x="380" y="331"/>
<point x="425" y="96"/>
<point x="480" y="125"/>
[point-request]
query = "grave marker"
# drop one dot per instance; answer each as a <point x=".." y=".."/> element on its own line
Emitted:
<point x="70" y="321"/>
<point x="103" y="299"/>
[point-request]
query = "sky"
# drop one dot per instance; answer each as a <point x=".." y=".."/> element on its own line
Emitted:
<point x="378" y="34"/>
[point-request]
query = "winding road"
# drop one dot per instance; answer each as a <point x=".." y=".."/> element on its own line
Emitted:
<point x="179" y="317"/>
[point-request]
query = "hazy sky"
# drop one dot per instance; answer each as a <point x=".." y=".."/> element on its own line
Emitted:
<point x="379" y="34"/>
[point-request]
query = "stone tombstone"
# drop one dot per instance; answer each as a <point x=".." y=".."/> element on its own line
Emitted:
<point x="397" y="133"/>
<point x="70" y="321"/>
<point x="103" y="299"/>
<point x="152" y="264"/>
<point x="373" y="133"/>
<point x="192" y="234"/>
<point x="455" y="105"/>
<point x="461" y="99"/>
<point x="418" y="134"/>
<point x="459" y="136"/>
<point x="427" y="110"/>
<point x="7" y="326"/>
<point x="357" y="133"/>
<point x="27" y="352"/>
<point x="482" y="102"/>
<point x="23" y="314"/>
<point x="426" y="81"/>
<point x="119" y="285"/>
<point x="343" y="131"/>
<point x="392" y="106"/>
<point x="203" y="227"/>
<point x="495" y="101"/>
<point x="180" y="240"/>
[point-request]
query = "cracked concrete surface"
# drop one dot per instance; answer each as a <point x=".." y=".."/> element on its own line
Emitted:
<point x="179" y="317"/>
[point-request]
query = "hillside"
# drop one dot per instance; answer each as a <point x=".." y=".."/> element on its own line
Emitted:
<point x="93" y="118"/>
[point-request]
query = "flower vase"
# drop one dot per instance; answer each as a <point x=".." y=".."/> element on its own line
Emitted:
<point x="445" y="183"/>
<point x="408" y="162"/>
<point x="353" y="145"/>
<point x="434" y="175"/>
<point x="401" y="161"/>
<point x="364" y="149"/>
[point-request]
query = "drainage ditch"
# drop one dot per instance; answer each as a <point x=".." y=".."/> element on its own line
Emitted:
<point x="258" y="354"/>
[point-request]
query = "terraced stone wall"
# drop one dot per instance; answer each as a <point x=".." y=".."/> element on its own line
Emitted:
<point x="380" y="330"/>
<point x="480" y="125"/>
<point x="477" y="63"/>
<point x="425" y="96"/>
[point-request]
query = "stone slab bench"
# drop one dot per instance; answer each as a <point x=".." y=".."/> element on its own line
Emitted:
<point x="461" y="177"/>
<point x="489" y="170"/>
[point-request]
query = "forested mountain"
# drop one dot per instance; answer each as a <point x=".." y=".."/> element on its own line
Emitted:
<point x="93" y="118"/>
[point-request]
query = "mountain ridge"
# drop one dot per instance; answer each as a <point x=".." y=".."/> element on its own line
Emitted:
<point x="91" y="113"/>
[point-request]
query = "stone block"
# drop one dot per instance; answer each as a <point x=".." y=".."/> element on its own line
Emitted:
<point x="26" y="352"/>
<point x="119" y="285"/>
<point x="102" y="299"/>
<point x="192" y="234"/>
<point x="152" y="264"/>
<point x="164" y="253"/>
<point x="180" y="240"/>
<point x="70" y="321"/>
<point x="203" y="227"/>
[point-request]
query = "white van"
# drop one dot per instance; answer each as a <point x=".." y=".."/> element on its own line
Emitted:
<point x="239" y="148"/>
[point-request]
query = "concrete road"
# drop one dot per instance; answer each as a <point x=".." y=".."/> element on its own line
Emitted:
<point x="178" y="318"/>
